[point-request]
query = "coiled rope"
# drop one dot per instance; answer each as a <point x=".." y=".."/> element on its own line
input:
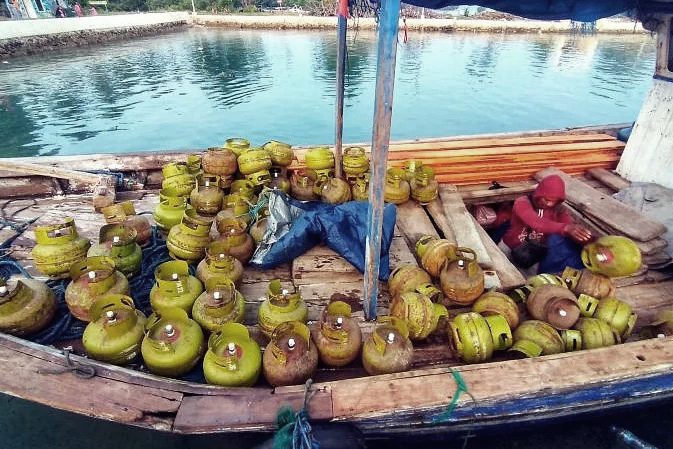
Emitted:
<point x="294" y="430"/>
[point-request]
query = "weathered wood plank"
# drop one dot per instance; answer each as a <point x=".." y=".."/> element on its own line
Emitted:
<point x="598" y="229"/>
<point x="609" y="179"/>
<point x="509" y="192"/>
<point x="436" y="211"/>
<point x="509" y="275"/>
<point x="606" y="209"/>
<point x="500" y="380"/>
<point x="29" y="377"/>
<point x="28" y="186"/>
<point x="257" y="411"/>
<point x="462" y="224"/>
<point x="414" y="223"/>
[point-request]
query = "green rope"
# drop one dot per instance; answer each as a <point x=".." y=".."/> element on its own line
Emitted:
<point x="294" y="430"/>
<point x="461" y="388"/>
<point x="262" y="202"/>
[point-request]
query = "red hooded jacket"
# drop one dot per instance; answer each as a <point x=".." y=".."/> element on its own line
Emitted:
<point x="537" y="224"/>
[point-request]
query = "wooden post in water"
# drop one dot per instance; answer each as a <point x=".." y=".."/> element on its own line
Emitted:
<point x="342" y="14"/>
<point x="383" y="111"/>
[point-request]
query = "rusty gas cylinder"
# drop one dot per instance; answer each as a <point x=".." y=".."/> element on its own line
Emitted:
<point x="360" y="188"/>
<point x="194" y="165"/>
<point x="220" y="161"/>
<point x="336" y="191"/>
<point x="124" y="213"/>
<point x="405" y="278"/>
<point x="588" y="283"/>
<point x="279" y="179"/>
<point x="221" y="303"/>
<point x="291" y="357"/>
<point x="207" y="196"/>
<point x="388" y="349"/>
<point x="118" y="242"/>
<point x="91" y="279"/>
<point x="496" y="303"/>
<point x="58" y="248"/>
<point x="337" y="335"/>
<point x="237" y="241"/>
<point x="302" y="186"/>
<point x="234" y="206"/>
<point x="434" y="253"/>
<point x="27" y="307"/>
<point x="462" y="279"/>
<point x="218" y="262"/>
<point x="556" y="305"/>
<point x="258" y="229"/>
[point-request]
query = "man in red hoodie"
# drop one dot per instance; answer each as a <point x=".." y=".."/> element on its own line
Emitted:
<point x="540" y="220"/>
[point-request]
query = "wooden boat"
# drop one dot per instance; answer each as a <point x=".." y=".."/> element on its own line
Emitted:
<point x="501" y="392"/>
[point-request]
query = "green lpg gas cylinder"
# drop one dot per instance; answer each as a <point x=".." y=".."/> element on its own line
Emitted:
<point x="188" y="240"/>
<point x="116" y="330"/>
<point x="424" y="187"/>
<point x="533" y="338"/>
<point x="612" y="256"/>
<point x="221" y="303"/>
<point x="474" y="338"/>
<point x="176" y="176"/>
<point x="397" y="190"/>
<point x="173" y="343"/>
<point x="58" y="247"/>
<point x="355" y="162"/>
<point x="281" y="305"/>
<point x="125" y="213"/>
<point x="281" y="154"/>
<point x="91" y="279"/>
<point x="26" y="308"/>
<point x="170" y="209"/>
<point x="174" y="286"/>
<point x="118" y="242"/>
<point x="233" y="358"/>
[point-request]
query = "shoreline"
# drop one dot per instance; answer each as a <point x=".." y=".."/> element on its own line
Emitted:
<point x="33" y="36"/>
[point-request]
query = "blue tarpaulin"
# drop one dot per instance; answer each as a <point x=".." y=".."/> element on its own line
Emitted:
<point x="294" y="227"/>
<point x="580" y="10"/>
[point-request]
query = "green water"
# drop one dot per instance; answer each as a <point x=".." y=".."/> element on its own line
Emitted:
<point x="195" y="88"/>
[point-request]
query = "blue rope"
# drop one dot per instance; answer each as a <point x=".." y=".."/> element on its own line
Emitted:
<point x="295" y="429"/>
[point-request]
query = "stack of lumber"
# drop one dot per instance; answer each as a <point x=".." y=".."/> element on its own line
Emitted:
<point x="604" y="215"/>
<point x="472" y="161"/>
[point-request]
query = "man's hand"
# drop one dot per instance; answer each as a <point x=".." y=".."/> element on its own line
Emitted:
<point x="578" y="233"/>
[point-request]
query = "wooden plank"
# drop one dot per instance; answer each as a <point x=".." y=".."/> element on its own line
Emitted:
<point x="509" y="275"/>
<point x="414" y="223"/>
<point x="598" y="229"/>
<point x="607" y="209"/>
<point x="27" y="186"/>
<point x="462" y="224"/>
<point x="257" y="411"/>
<point x="53" y="172"/>
<point x="508" y="193"/>
<point x="380" y="395"/>
<point x="436" y="211"/>
<point x="29" y="378"/>
<point x="608" y="178"/>
<point x="252" y="275"/>
<point x="657" y="260"/>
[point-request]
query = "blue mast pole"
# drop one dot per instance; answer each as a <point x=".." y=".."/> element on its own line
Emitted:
<point x="342" y="17"/>
<point x="383" y="111"/>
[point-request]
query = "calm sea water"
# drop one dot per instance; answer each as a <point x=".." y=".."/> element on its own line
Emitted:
<point x="193" y="89"/>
